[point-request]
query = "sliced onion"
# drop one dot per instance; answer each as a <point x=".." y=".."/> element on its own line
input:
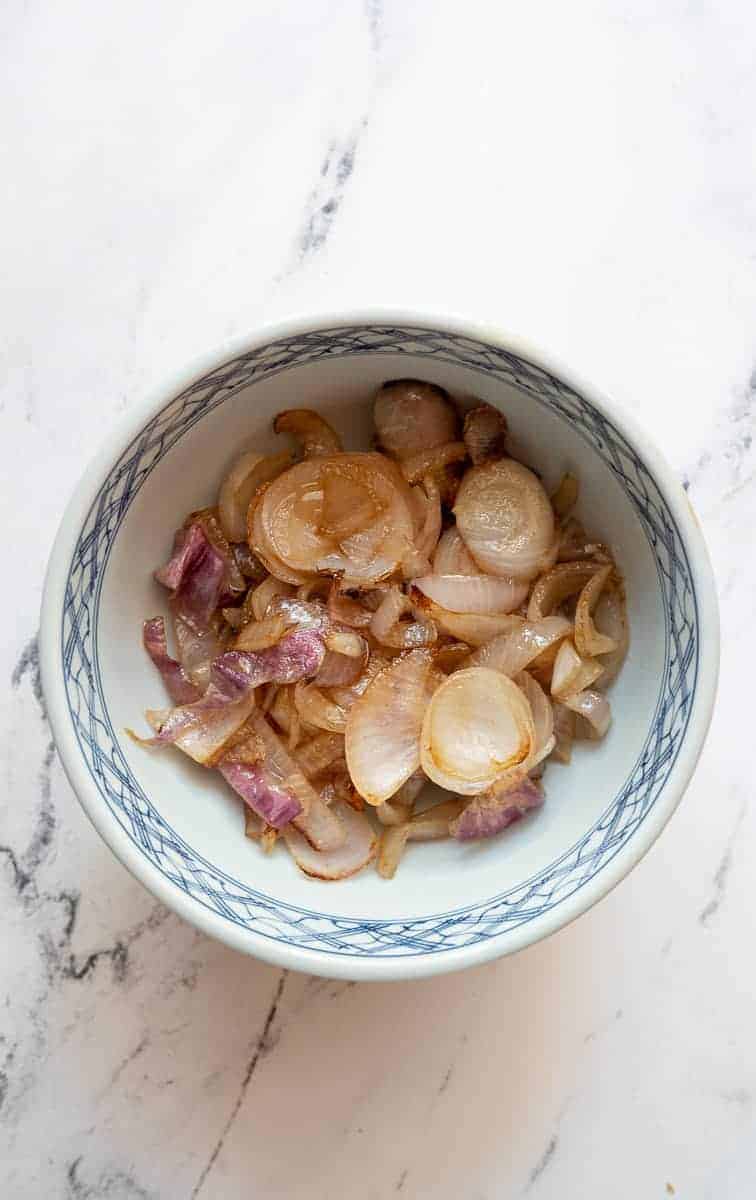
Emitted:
<point x="430" y="524"/>
<point x="411" y="416"/>
<point x="195" y="574"/>
<point x="261" y="547"/>
<point x="345" y="697"/>
<point x="493" y="812"/>
<point x="485" y="434"/>
<point x="433" y="823"/>
<point x="388" y="628"/>
<point x="575" y="544"/>
<point x="594" y="708"/>
<point x="610" y="618"/>
<point x="179" y="685"/>
<point x="248" y="473"/>
<point x="206" y="519"/>
<point x="557" y="584"/>
<point x="565" y="497"/>
<point x="392" y="846"/>
<point x="505" y="519"/>
<point x="247" y="562"/>
<point x="564" y="732"/>
<point x="317" y="709"/>
<point x="265" y="592"/>
<point x="198" y="645"/>
<point x="340" y="669"/>
<point x="451" y="657"/>
<point x="320" y="753"/>
<point x="274" y="804"/>
<point x="572" y="673"/>
<point x="432" y="460"/>
<point x="205" y="731"/>
<point x="347" y="610"/>
<point x="282" y="709"/>
<point x="543" y="719"/>
<point x="260" y="635"/>
<point x="513" y="652"/>
<point x="588" y="639"/>
<point x="452" y="556"/>
<point x="382" y="742"/>
<point x="473" y="593"/>
<point x="474" y="628"/>
<point x="253" y="825"/>
<point x="478" y="726"/>
<point x="315" y="434"/>
<point x="358" y="848"/>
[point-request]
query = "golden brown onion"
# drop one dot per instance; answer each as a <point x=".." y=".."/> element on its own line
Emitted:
<point x="249" y="472"/>
<point x="588" y="639"/>
<point x="314" y="433"/>
<point x="411" y="416"/>
<point x="485" y="434"/>
<point x="513" y="652"/>
<point x="557" y="584"/>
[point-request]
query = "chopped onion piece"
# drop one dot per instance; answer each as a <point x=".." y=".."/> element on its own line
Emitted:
<point x="610" y="618"/>
<point x="317" y="709"/>
<point x="557" y="584"/>
<point x="543" y="719"/>
<point x="430" y="524"/>
<point x="265" y="592"/>
<point x="433" y="823"/>
<point x="451" y="657"/>
<point x="180" y="687"/>
<point x="357" y="850"/>
<point x="571" y="672"/>
<point x="473" y="593"/>
<point x="248" y="473"/>
<point x="512" y="652"/>
<point x="474" y="628"/>
<point x="485" y="434"/>
<point x="411" y="416"/>
<point x="505" y="519"/>
<point x="564" y="732"/>
<point x="260" y="635"/>
<point x="452" y="556"/>
<point x="429" y="461"/>
<point x="275" y="805"/>
<point x="588" y="639"/>
<point x="478" y="726"/>
<point x="565" y="497"/>
<point x="488" y="815"/>
<point x="382" y="742"/>
<point x="594" y="708"/>
<point x="347" y="610"/>
<point x="388" y="628"/>
<point x="319" y="753"/>
<point x="392" y="846"/>
<point x="315" y="434"/>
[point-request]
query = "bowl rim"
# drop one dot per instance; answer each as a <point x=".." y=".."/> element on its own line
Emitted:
<point x="321" y="961"/>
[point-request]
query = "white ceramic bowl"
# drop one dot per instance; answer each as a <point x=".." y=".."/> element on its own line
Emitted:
<point x="178" y="828"/>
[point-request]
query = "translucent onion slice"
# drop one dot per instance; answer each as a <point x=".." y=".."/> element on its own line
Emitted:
<point x="473" y="593"/>
<point x="610" y="618"/>
<point x="513" y="652"/>
<point x="505" y="519"/>
<point x="564" y="733"/>
<point x="478" y="726"/>
<point x="565" y="497"/>
<point x="358" y="849"/>
<point x="346" y="610"/>
<point x="382" y="742"/>
<point x="317" y="709"/>
<point x="388" y="628"/>
<point x="348" y="506"/>
<point x="433" y="823"/>
<point x="451" y="657"/>
<point x="198" y="645"/>
<point x="427" y="534"/>
<point x="411" y="416"/>
<point x="319" y="753"/>
<point x="398" y="810"/>
<point x="575" y="544"/>
<point x="341" y="669"/>
<point x="452" y="556"/>
<point x="485" y="434"/>
<point x="316" y="822"/>
<point x="557" y="584"/>
<point x="311" y="430"/>
<point x="248" y="473"/>
<point x="392" y="846"/>
<point x="205" y="739"/>
<point x="259" y="635"/>
<point x="588" y="639"/>
<point x="473" y="628"/>
<point x="543" y="719"/>
<point x="265" y="592"/>
<point x="594" y="708"/>
<point x="572" y="673"/>
<point x="432" y="460"/>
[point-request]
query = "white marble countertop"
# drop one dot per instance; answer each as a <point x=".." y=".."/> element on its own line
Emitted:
<point x="581" y="174"/>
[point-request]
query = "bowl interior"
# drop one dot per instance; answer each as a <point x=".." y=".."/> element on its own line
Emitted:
<point x="186" y="821"/>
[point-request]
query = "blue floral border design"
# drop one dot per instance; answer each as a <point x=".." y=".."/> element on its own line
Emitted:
<point x="305" y="928"/>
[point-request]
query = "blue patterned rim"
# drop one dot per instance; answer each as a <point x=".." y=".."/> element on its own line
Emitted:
<point x="231" y="899"/>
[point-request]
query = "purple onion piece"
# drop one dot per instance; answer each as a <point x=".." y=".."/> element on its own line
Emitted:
<point x="275" y="805"/>
<point x="180" y="687"/>
<point x="489" y="814"/>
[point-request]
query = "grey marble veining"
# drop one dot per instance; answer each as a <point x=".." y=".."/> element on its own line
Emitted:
<point x="581" y="175"/>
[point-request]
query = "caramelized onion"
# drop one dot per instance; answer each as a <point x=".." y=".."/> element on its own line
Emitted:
<point x="594" y="708"/>
<point x="249" y="472"/>
<point x="452" y="556"/>
<point x="388" y="628"/>
<point x="543" y="719"/>
<point x="512" y="652"/>
<point x="357" y="850"/>
<point x="485" y="434"/>
<point x="557" y="584"/>
<point x="382" y="742"/>
<point x="319" y="753"/>
<point x="571" y="672"/>
<point x="565" y="497"/>
<point x="317" y="709"/>
<point x="505" y="519"/>
<point x="432" y="460"/>
<point x="347" y="610"/>
<point x="311" y="430"/>
<point x="473" y="593"/>
<point x="478" y="725"/>
<point x="259" y="635"/>
<point x="564" y="732"/>
<point x="429" y="528"/>
<point x="493" y="812"/>
<point x="610" y="618"/>
<point x="588" y="639"/>
<point x="411" y="416"/>
<point x="473" y="628"/>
